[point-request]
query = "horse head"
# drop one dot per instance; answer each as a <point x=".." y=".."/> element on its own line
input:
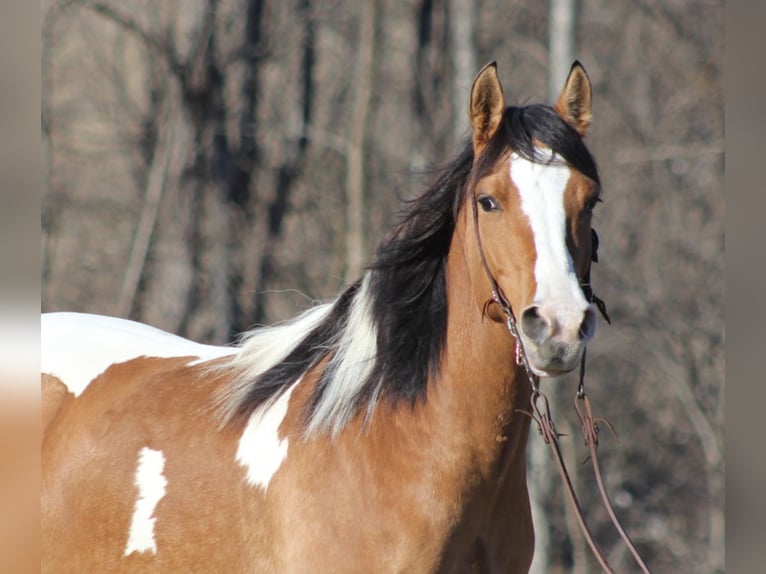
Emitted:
<point x="533" y="187"/>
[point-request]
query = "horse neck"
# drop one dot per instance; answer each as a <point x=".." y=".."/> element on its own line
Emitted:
<point x="480" y="390"/>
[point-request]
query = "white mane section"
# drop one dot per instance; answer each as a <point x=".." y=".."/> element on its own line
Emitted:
<point x="264" y="347"/>
<point x="78" y="347"/>
<point x="349" y="367"/>
<point x="352" y="353"/>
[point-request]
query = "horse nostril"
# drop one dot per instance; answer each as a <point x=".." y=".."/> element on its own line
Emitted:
<point x="535" y="325"/>
<point x="588" y="325"/>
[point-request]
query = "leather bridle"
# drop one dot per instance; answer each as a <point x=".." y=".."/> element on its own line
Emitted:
<point x="541" y="413"/>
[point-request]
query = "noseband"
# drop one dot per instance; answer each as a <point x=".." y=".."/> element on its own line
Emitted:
<point x="542" y="415"/>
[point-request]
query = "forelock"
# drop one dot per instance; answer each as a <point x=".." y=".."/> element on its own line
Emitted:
<point x="523" y="130"/>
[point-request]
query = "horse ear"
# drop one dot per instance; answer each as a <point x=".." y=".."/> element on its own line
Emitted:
<point x="487" y="105"/>
<point x="574" y="104"/>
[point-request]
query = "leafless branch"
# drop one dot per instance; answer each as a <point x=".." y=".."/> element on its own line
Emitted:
<point x="129" y="24"/>
<point x="155" y="187"/>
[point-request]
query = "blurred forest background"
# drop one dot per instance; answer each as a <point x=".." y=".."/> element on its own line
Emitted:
<point x="210" y="165"/>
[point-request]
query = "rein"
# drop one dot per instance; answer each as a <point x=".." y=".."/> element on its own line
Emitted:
<point x="542" y="415"/>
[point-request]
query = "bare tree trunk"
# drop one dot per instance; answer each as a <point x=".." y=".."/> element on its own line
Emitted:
<point x="463" y="44"/>
<point x="250" y="230"/>
<point x="212" y="304"/>
<point x="538" y="484"/>
<point x="287" y="156"/>
<point x="562" y="36"/>
<point x="355" y="157"/>
<point x="158" y="171"/>
<point x="211" y="320"/>
<point x="165" y="300"/>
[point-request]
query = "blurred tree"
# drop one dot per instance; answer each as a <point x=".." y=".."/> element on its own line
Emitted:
<point x="364" y="76"/>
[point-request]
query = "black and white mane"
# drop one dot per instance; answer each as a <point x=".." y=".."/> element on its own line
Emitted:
<point x="384" y="336"/>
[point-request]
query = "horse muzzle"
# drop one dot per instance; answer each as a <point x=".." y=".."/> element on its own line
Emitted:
<point x="555" y="338"/>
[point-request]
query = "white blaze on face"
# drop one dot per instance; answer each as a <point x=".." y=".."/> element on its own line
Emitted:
<point x="151" y="488"/>
<point x="260" y="449"/>
<point x="541" y="188"/>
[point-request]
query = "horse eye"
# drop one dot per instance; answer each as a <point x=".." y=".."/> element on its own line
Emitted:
<point x="488" y="203"/>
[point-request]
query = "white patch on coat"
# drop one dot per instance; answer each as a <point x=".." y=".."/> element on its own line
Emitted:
<point x="151" y="488"/>
<point x="260" y="450"/>
<point x="77" y="347"/>
<point x="541" y="188"/>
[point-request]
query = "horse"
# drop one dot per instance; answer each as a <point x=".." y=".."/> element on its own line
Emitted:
<point x="383" y="431"/>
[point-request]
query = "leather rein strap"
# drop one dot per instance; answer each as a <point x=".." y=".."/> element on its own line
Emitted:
<point x="542" y="415"/>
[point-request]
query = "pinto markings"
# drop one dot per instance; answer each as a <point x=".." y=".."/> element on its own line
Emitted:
<point x="108" y="341"/>
<point x="260" y="450"/>
<point x="151" y="485"/>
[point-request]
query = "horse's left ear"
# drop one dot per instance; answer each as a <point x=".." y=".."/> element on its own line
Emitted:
<point x="487" y="105"/>
<point x="574" y="104"/>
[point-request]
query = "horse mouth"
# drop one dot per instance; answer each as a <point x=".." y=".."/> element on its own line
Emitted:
<point x="554" y="359"/>
<point x="551" y="372"/>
